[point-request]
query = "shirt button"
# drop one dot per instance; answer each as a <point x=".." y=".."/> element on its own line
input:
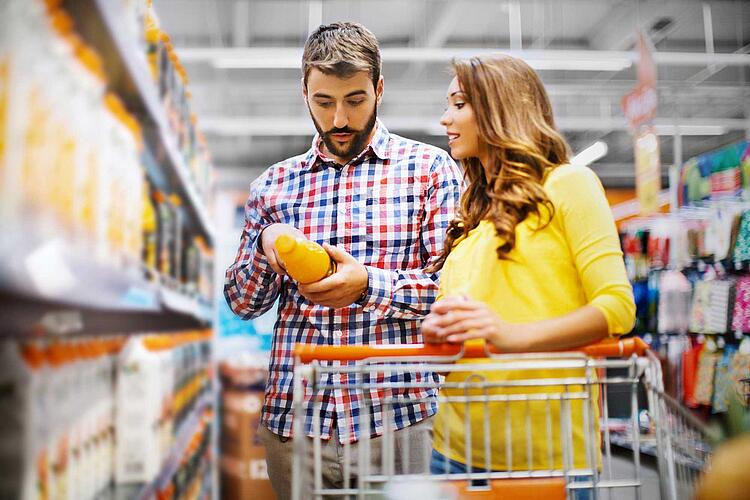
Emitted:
<point x="337" y="334"/>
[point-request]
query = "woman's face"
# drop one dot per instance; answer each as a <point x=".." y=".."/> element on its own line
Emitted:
<point x="460" y="124"/>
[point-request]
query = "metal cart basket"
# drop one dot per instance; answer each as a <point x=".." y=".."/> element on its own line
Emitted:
<point x="539" y="425"/>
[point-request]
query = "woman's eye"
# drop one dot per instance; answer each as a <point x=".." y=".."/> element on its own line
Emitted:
<point x="459" y="105"/>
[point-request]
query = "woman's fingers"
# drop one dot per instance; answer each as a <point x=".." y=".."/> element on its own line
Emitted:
<point x="451" y="303"/>
<point x="457" y="338"/>
<point x="463" y="326"/>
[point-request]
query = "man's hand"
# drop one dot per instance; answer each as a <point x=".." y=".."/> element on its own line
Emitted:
<point x="342" y="287"/>
<point x="269" y="236"/>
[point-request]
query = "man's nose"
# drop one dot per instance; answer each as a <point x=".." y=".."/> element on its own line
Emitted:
<point x="340" y="119"/>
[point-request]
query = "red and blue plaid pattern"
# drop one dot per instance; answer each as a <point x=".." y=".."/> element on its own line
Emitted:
<point x="389" y="208"/>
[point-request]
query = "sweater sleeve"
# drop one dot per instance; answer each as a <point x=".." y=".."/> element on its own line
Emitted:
<point x="594" y="245"/>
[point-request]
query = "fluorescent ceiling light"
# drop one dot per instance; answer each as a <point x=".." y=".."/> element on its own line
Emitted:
<point x="300" y="125"/>
<point x="255" y="62"/>
<point x="690" y="130"/>
<point x="579" y="64"/>
<point x="290" y="58"/>
<point x="592" y="153"/>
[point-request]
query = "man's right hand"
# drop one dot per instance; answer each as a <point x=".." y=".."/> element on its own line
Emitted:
<point x="268" y="240"/>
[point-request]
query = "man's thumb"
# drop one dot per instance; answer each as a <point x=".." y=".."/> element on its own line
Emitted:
<point x="336" y="253"/>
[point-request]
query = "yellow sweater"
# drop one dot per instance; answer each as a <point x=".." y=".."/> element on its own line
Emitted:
<point x="574" y="261"/>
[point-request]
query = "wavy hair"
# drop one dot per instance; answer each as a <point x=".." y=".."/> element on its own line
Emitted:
<point x="515" y="123"/>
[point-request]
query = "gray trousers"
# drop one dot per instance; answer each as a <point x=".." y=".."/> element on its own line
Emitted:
<point x="411" y="455"/>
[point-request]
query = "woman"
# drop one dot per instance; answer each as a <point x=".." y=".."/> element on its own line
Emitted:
<point x="531" y="263"/>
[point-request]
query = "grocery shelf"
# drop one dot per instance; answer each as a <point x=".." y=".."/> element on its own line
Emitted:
<point x="170" y="465"/>
<point x="186" y="304"/>
<point x="648" y="448"/>
<point x="125" y="63"/>
<point x="48" y="286"/>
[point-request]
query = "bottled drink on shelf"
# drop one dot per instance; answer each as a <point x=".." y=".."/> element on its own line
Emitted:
<point x="83" y="414"/>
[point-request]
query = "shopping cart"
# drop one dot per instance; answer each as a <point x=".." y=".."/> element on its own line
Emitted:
<point x="567" y="403"/>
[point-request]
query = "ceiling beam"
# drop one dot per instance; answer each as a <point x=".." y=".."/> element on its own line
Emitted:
<point x="571" y="60"/>
<point x="295" y="126"/>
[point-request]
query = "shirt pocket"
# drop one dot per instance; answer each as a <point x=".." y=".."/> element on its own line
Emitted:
<point x="392" y="219"/>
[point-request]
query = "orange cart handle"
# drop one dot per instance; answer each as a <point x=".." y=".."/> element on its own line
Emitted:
<point x="309" y="352"/>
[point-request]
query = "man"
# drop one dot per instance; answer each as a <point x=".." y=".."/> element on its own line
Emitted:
<point x="380" y="204"/>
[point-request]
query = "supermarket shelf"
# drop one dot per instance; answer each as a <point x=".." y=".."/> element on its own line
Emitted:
<point x="182" y="438"/>
<point x="648" y="448"/>
<point x="47" y="286"/>
<point x="125" y="63"/>
<point x="186" y="304"/>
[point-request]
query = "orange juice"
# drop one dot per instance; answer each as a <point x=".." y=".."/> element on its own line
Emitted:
<point x="305" y="261"/>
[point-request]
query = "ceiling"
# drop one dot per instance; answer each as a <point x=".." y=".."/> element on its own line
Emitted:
<point x="243" y="60"/>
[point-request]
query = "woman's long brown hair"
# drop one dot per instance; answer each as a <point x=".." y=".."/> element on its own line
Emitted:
<point x="515" y="123"/>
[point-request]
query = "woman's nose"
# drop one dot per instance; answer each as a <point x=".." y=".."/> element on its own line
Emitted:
<point x="445" y="119"/>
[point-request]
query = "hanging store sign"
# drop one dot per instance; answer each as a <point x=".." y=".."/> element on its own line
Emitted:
<point x="647" y="170"/>
<point x="639" y="105"/>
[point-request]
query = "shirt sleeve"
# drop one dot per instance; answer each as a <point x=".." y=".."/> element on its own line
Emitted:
<point x="592" y="238"/>
<point x="251" y="286"/>
<point x="409" y="294"/>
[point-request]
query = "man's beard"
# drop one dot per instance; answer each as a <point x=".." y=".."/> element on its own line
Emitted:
<point x="359" y="137"/>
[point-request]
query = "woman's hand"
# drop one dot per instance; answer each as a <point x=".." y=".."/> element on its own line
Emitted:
<point x="457" y="319"/>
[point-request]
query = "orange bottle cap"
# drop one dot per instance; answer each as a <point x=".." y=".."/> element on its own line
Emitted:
<point x="61" y="21"/>
<point x="285" y="243"/>
<point x="152" y="35"/>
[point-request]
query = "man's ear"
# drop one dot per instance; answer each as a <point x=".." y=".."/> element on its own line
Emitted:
<point x="304" y="88"/>
<point x="379" y="90"/>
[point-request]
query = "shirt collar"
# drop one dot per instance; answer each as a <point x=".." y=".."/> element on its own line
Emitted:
<point x="379" y="145"/>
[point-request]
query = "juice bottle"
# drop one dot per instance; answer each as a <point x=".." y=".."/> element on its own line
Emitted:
<point x="164" y="235"/>
<point x="150" y="254"/>
<point x="305" y="261"/>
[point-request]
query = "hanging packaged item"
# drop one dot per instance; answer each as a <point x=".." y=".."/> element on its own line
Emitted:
<point x="690" y="359"/>
<point x="726" y="179"/>
<point x="742" y="246"/>
<point x="675" y="294"/>
<point x="721" y="302"/>
<point x="699" y="306"/>
<point x="740" y="373"/>
<point x="720" y="231"/>
<point x="723" y="386"/>
<point x="741" y="312"/>
<point x="704" y="385"/>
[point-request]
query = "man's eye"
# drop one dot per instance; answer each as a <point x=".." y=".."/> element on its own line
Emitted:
<point x="356" y="102"/>
<point x="325" y="104"/>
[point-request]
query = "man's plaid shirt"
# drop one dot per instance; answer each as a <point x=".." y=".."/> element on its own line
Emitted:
<point x="389" y="208"/>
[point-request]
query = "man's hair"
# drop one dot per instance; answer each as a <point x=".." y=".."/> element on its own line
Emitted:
<point x="342" y="49"/>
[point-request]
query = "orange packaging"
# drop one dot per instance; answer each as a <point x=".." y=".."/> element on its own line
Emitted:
<point x="245" y="480"/>
<point x="239" y="422"/>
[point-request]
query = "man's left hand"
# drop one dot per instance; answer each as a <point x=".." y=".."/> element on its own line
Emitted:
<point x="342" y="287"/>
